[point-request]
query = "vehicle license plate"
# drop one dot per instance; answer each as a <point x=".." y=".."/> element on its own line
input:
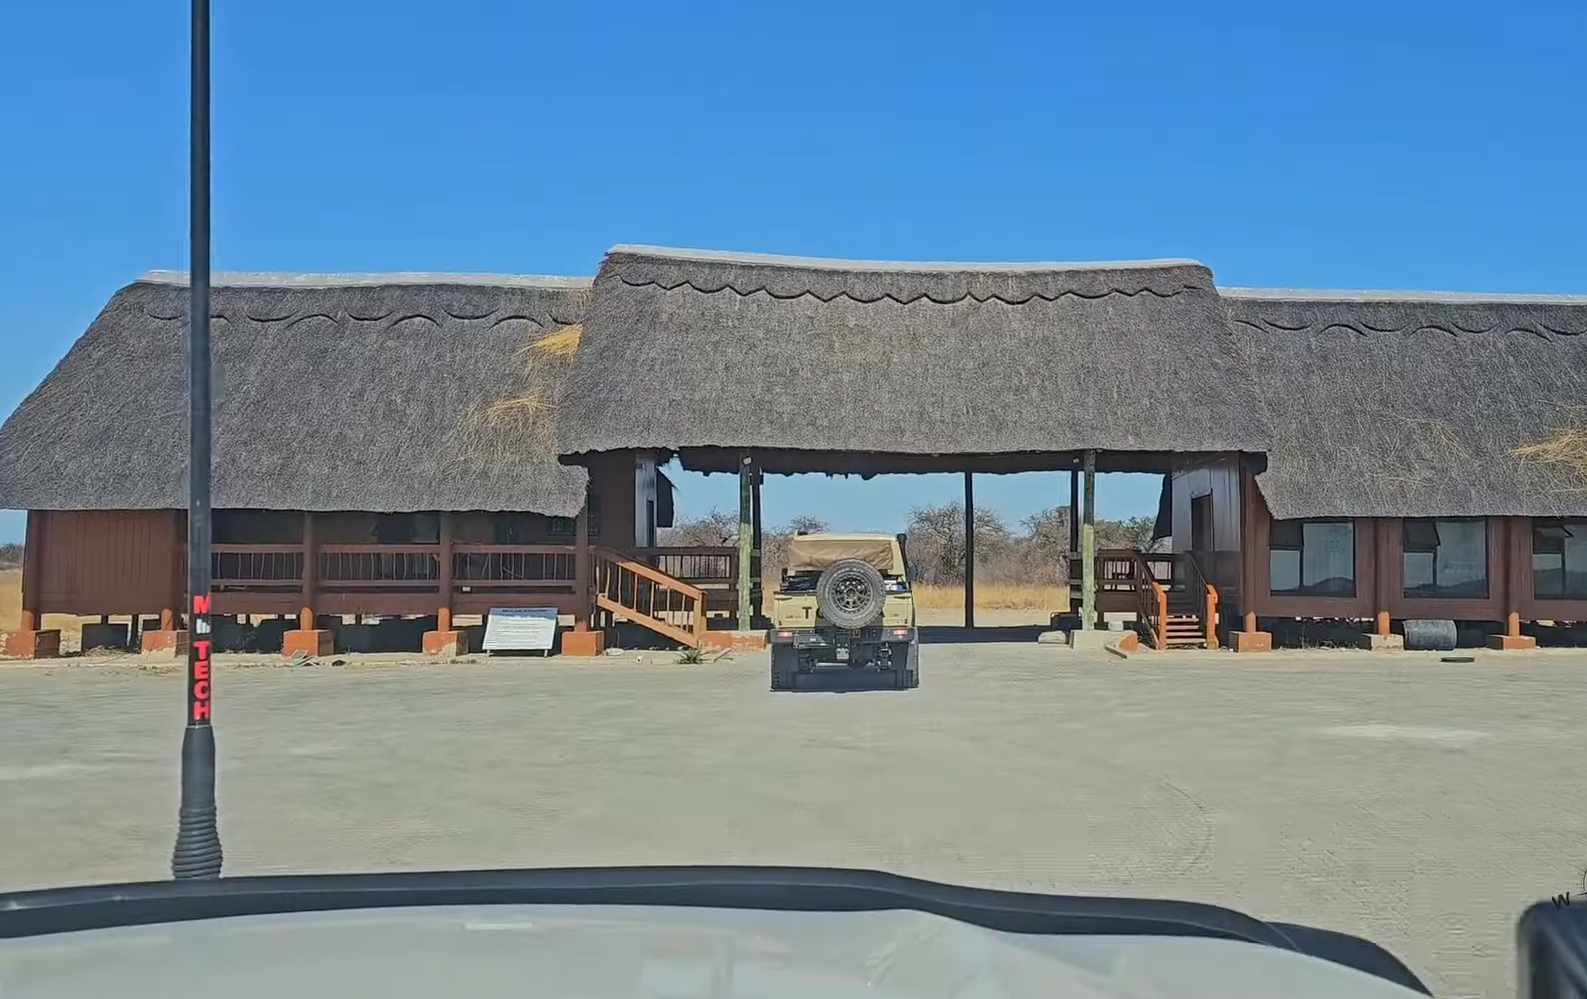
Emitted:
<point x="843" y="655"/>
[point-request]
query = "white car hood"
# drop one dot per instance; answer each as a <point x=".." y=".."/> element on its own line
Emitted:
<point x="645" y="952"/>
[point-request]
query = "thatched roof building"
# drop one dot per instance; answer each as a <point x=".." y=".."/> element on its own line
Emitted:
<point x="878" y="363"/>
<point x="1418" y="404"/>
<point x="387" y="393"/>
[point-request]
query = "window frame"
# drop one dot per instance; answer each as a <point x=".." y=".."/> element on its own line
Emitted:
<point x="1408" y="524"/>
<point x="1571" y="525"/>
<point x="1302" y="590"/>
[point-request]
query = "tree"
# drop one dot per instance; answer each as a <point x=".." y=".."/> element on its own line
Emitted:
<point x="1036" y="553"/>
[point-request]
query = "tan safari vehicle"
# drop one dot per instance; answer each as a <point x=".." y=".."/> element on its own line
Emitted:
<point x="844" y="602"/>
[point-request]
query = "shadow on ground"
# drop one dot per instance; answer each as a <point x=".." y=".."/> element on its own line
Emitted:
<point x="952" y="635"/>
<point x="845" y="681"/>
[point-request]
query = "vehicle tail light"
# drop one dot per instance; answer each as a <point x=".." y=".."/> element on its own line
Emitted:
<point x="784" y="634"/>
<point x="901" y="632"/>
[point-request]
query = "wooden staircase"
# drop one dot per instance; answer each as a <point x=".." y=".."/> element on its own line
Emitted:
<point x="1170" y="595"/>
<point x="627" y="589"/>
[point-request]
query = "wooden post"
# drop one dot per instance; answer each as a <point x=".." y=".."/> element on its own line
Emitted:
<point x="746" y="538"/>
<point x="757" y="567"/>
<point x="32" y="560"/>
<point x="969" y="550"/>
<point x="1088" y="546"/>
<point x="581" y="567"/>
<point x="1074" y="509"/>
<point x="443" y="614"/>
<point x="1250" y="622"/>
<point x="1074" y="536"/>
<point x="310" y="573"/>
<point x="1382" y="624"/>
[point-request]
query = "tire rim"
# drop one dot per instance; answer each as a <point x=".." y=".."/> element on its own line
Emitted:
<point x="850" y="594"/>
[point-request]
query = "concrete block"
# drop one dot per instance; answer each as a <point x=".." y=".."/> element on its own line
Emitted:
<point x="1252" y="641"/>
<point x="445" y="644"/>
<point x="748" y="640"/>
<point x="1382" y="643"/>
<point x="164" y="643"/>
<point x="583" y="643"/>
<point x="1054" y="638"/>
<point x="1091" y="638"/>
<point x="318" y="642"/>
<point x="41" y="644"/>
<point x="1511" y="643"/>
<point x="104" y="636"/>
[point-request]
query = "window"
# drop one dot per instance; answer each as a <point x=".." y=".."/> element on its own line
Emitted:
<point x="1446" y="558"/>
<point x="1559" y="559"/>
<point x="1312" y="558"/>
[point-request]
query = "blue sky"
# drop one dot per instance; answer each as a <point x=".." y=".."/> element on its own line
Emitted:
<point x="1347" y="144"/>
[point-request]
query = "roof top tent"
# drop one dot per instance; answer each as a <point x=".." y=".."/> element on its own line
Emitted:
<point x="790" y="365"/>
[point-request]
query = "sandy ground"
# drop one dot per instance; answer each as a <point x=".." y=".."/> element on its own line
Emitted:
<point x="1419" y="803"/>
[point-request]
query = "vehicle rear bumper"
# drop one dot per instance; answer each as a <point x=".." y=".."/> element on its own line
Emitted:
<point x="812" y="638"/>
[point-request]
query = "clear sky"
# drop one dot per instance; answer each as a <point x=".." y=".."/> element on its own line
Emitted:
<point x="1340" y="144"/>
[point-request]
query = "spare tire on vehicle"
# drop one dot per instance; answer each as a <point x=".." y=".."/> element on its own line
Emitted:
<point x="1434" y="636"/>
<point x="850" y="593"/>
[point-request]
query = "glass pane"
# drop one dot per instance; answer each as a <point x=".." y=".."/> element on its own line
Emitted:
<point x="1418" y="573"/>
<point x="1462" y="558"/>
<point x="1283" y="571"/>
<point x="1575" y="558"/>
<point x="1328" y="558"/>
<point x="1446" y="558"/>
<point x="1548" y="575"/>
<point x="1548" y="536"/>
<point x="1420" y="535"/>
<point x="1286" y="534"/>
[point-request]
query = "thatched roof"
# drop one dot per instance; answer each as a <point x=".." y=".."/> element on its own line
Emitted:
<point x="1414" y="404"/>
<point x="391" y="392"/>
<point x="697" y="350"/>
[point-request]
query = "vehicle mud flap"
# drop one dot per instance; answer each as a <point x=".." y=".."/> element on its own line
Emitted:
<point x="906" y="666"/>
<point x="784" y="667"/>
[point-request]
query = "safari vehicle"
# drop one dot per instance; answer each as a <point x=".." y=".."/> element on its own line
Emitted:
<point x="844" y="601"/>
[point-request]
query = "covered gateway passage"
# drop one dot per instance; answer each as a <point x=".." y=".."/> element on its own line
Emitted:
<point x="760" y="365"/>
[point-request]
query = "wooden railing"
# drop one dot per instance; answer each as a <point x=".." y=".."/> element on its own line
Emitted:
<point x="256" y="566"/>
<point x="399" y="567"/>
<point x="1151" y="600"/>
<point x="514" y="566"/>
<point x="668" y="590"/>
<point x="1153" y="585"/>
<point x="1121" y="572"/>
<point x="633" y="590"/>
<point x="1203" y="596"/>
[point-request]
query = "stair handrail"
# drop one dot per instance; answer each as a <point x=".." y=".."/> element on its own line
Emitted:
<point x="638" y="568"/>
<point x="694" y="595"/>
<point x="1207" y="604"/>
<point x="1152" y="600"/>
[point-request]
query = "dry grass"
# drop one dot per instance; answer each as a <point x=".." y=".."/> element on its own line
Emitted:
<point x="1564" y="449"/>
<point x="495" y="432"/>
<point x="994" y="596"/>
<point x="11" y="611"/>
<point x="563" y="343"/>
<point x="494" y="414"/>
